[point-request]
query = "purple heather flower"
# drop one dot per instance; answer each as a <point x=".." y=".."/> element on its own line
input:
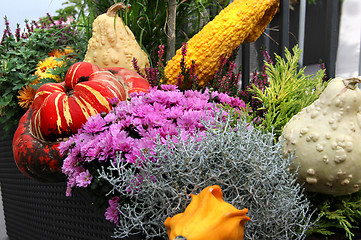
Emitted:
<point x="51" y="19"/>
<point x="152" y="76"/>
<point x="17" y="32"/>
<point x="7" y="26"/>
<point x="184" y="49"/>
<point x="136" y="67"/>
<point x="161" y="52"/>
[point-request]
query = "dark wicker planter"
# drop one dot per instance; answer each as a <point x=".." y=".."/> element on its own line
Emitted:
<point x="41" y="211"/>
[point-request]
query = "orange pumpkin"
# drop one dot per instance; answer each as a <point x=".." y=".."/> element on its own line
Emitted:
<point x="208" y="216"/>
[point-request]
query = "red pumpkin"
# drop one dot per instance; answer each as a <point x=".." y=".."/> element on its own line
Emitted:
<point x="79" y="71"/>
<point x="34" y="157"/>
<point x="133" y="81"/>
<point x="60" y="109"/>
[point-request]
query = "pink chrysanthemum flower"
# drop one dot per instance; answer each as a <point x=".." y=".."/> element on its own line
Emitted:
<point x="112" y="214"/>
<point x="130" y="129"/>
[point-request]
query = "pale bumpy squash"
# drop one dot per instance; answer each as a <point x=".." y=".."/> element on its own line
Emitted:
<point x="326" y="139"/>
<point x="113" y="44"/>
<point x="208" y="216"/>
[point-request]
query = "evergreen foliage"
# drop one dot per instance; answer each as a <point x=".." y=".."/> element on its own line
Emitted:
<point x="288" y="92"/>
<point x="336" y="213"/>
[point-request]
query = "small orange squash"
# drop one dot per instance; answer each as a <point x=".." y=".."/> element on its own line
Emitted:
<point x="208" y="216"/>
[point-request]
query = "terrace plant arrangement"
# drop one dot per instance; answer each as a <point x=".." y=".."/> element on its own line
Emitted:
<point x="166" y="138"/>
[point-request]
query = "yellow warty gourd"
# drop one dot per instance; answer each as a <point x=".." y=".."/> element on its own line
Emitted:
<point x="241" y="21"/>
<point x="208" y="216"/>
<point x="113" y="44"/>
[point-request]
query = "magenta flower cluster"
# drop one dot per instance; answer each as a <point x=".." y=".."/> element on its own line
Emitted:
<point x="131" y="127"/>
<point x="112" y="213"/>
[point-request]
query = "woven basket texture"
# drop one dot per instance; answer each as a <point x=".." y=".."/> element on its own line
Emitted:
<point x="41" y="211"/>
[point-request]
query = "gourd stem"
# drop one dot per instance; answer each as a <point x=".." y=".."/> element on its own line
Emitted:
<point x="112" y="11"/>
<point x="180" y="238"/>
<point x="351" y="83"/>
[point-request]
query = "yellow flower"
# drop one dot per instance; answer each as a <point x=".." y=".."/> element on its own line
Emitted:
<point x="26" y="96"/>
<point x="57" y="53"/>
<point x="43" y="70"/>
<point x="48" y="74"/>
<point x="36" y="81"/>
<point x="46" y="64"/>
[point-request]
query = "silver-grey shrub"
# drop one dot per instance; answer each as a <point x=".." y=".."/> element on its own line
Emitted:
<point x="244" y="162"/>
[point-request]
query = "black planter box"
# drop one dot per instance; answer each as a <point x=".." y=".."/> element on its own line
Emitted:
<point x="41" y="211"/>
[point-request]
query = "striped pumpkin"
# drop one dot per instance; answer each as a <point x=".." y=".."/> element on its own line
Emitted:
<point x="79" y="71"/>
<point x="131" y="80"/>
<point x="60" y="109"/>
<point x="35" y="158"/>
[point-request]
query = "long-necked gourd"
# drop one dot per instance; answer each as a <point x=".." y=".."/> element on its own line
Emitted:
<point x="113" y="44"/>
<point x="325" y="138"/>
<point x="241" y="21"/>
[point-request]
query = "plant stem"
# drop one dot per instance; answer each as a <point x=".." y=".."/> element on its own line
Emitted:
<point x="172" y="14"/>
